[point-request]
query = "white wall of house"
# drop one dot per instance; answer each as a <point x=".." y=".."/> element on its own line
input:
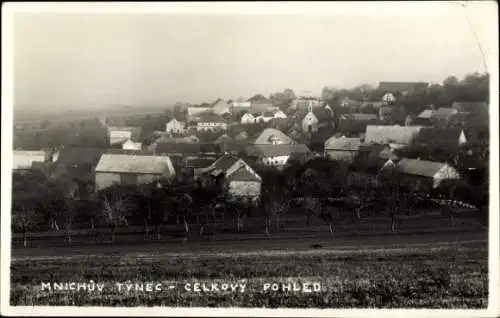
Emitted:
<point x="130" y="145"/>
<point x="445" y="173"/>
<point x="175" y="126"/>
<point x="244" y="188"/>
<point x="310" y="123"/>
<point x="462" y="140"/>
<point x="203" y="126"/>
<point x="388" y="98"/>
<point x="275" y="160"/>
<point x="116" y="136"/>
<point x="247" y="119"/>
<point x="105" y="179"/>
<point x="24" y="160"/>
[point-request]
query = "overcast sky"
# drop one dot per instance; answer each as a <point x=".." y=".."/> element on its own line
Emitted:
<point x="71" y="60"/>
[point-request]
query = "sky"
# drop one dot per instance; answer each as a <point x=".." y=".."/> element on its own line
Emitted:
<point x="92" y="59"/>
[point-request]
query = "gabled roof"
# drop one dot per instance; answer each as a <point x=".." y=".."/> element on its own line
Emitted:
<point x="220" y="103"/>
<point x="427" y="114"/>
<point x="269" y="132"/>
<point x="278" y="150"/>
<point x="444" y="113"/>
<point x="242" y="174"/>
<point x="198" y="163"/>
<point x="417" y="167"/>
<point x="322" y="114"/>
<point x="135" y="131"/>
<point x="225" y="162"/>
<point x="74" y="156"/>
<point x="391" y="134"/>
<point x="343" y="143"/>
<point x="135" y="164"/>
<point x="23" y="159"/>
<point x="211" y="118"/>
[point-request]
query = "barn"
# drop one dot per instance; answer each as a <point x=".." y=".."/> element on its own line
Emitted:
<point x="131" y="169"/>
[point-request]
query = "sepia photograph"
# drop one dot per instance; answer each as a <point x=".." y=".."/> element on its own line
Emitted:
<point x="250" y="156"/>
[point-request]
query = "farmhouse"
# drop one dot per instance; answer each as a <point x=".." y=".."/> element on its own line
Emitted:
<point x="355" y="124"/>
<point x="131" y="145"/>
<point x="23" y="159"/>
<point x="120" y="134"/>
<point x="277" y="155"/>
<point x="402" y="135"/>
<point x="131" y="170"/>
<point x="425" y="174"/>
<point x="239" y="178"/>
<point x="342" y="148"/>
<point x="211" y="122"/>
<point x="271" y="136"/>
<point x="175" y="126"/>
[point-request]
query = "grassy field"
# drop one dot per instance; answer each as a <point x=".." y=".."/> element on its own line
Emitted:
<point x="433" y="275"/>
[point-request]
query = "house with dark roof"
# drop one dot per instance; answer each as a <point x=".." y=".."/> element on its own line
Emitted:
<point x="393" y="114"/>
<point x="235" y="175"/>
<point x="441" y="137"/>
<point x="131" y="170"/>
<point x="211" y="122"/>
<point x="342" y="148"/>
<point x="425" y="175"/>
<point x="381" y="134"/>
<point x="355" y="124"/>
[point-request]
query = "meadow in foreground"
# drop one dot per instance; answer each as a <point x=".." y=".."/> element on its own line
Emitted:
<point x="448" y="278"/>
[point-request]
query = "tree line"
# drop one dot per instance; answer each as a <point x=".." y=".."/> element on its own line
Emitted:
<point x="320" y="189"/>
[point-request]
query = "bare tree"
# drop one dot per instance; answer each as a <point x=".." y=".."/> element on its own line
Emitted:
<point x="115" y="205"/>
<point x="24" y="219"/>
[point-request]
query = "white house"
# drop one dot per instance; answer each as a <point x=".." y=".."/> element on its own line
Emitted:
<point x="175" y="126"/>
<point x="310" y="122"/>
<point x="131" y="169"/>
<point x="23" y="159"/>
<point x="131" y="145"/>
<point x="388" y="98"/>
<point x="241" y="179"/>
<point x="279" y="114"/>
<point x="247" y="119"/>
